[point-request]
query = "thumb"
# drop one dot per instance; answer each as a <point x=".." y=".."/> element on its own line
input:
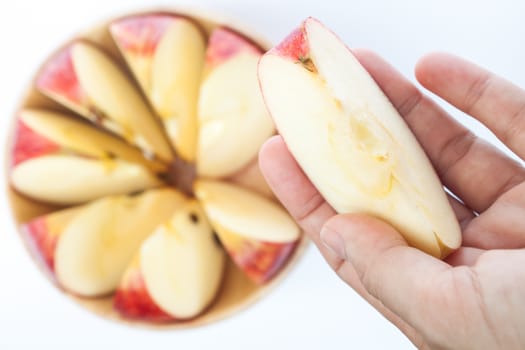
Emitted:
<point x="403" y="278"/>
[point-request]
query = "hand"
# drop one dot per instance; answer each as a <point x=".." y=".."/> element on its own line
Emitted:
<point x="475" y="299"/>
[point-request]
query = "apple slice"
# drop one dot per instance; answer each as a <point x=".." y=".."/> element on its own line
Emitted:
<point x="42" y="234"/>
<point x="132" y="299"/>
<point x="100" y="241"/>
<point x="86" y="80"/>
<point x="61" y="160"/>
<point x="179" y="270"/>
<point x="233" y="121"/>
<point x="42" y="132"/>
<point x="350" y="141"/>
<point x="166" y="54"/>
<point x="257" y="233"/>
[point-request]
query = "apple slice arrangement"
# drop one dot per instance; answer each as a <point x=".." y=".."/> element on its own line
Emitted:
<point x="134" y="176"/>
<point x="161" y="254"/>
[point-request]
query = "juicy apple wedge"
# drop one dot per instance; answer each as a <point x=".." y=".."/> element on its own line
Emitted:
<point x="178" y="271"/>
<point x="350" y="140"/>
<point x="58" y="159"/>
<point x="166" y="55"/>
<point x="233" y="121"/>
<point x="258" y="234"/>
<point x="96" y="245"/>
<point x="86" y="80"/>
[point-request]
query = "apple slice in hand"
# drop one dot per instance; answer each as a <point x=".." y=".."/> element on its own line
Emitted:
<point x="166" y="55"/>
<point x="178" y="271"/>
<point x="86" y="80"/>
<point x="233" y="121"/>
<point x="257" y="233"/>
<point x="95" y="247"/>
<point x="58" y="159"/>
<point x="350" y="141"/>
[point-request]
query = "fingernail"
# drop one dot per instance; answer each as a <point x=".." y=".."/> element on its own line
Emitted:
<point x="333" y="241"/>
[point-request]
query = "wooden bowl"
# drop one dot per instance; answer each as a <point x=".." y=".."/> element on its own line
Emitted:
<point x="237" y="291"/>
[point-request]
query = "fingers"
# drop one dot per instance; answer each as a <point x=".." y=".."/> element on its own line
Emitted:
<point x="348" y="274"/>
<point x="292" y="187"/>
<point x="464" y="256"/>
<point x="464" y="162"/>
<point x="463" y="214"/>
<point x="502" y="225"/>
<point x="302" y="200"/>
<point x="495" y="102"/>
<point x="401" y="277"/>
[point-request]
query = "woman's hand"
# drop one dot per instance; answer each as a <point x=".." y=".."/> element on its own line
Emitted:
<point x="475" y="299"/>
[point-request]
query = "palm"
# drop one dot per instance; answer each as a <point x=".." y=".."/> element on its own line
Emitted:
<point x="473" y="299"/>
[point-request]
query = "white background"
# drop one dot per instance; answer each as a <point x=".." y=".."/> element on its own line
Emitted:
<point x="312" y="309"/>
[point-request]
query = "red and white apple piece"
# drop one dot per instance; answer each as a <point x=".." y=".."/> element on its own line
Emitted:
<point x="178" y="271"/>
<point x="233" y="121"/>
<point x="58" y="159"/>
<point x="42" y="233"/>
<point x="350" y="141"/>
<point x="257" y="233"/>
<point x="132" y="299"/>
<point x="86" y="80"/>
<point x="166" y="55"/>
<point x="89" y="251"/>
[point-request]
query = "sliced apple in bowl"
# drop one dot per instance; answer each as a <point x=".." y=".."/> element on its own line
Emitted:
<point x="179" y="270"/>
<point x="257" y="233"/>
<point x="350" y="141"/>
<point x="85" y="79"/>
<point x="166" y="54"/>
<point x="94" y="185"/>
<point x="49" y="145"/>
<point x="42" y="234"/>
<point x="233" y="121"/>
<point x="90" y="247"/>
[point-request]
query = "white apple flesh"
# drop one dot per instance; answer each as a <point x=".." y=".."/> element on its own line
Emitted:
<point x="108" y="87"/>
<point x="182" y="263"/>
<point x="175" y="79"/>
<point x="99" y="242"/>
<point x="233" y="121"/>
<point x="58" y="159"/>
<point x="351" y="142"/>
<point x="257" y="233"/>
<point x="166" y="55"/>
<point x="82" y="138"/>
<point x="63" y="179"/>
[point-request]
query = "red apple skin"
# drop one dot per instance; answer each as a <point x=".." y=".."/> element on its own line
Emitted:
<point x="224" y="43"/>
<point x="141" y="34"/>
<point x="42" y="242"/>
<point x="294" y="46"/>
<point x="133" y="301"/>
<point x="58" y="77"/>
<point x="28" y="144"/>
<point x="261" y="261"/>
